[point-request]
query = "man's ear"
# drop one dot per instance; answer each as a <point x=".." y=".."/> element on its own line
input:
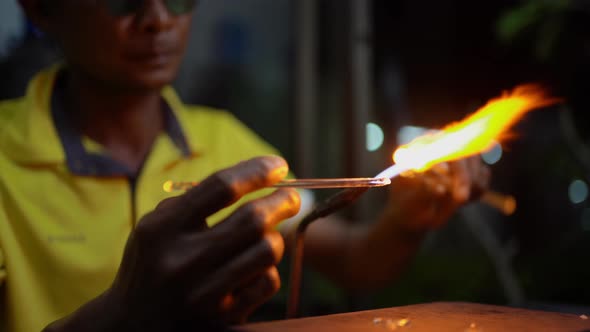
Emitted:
<point x="39" y="12"/>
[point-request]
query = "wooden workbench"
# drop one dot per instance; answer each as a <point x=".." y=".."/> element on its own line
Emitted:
<point x="441" y="316"/>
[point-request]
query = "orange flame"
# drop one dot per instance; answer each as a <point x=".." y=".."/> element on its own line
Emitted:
<point x="475" y="134"/>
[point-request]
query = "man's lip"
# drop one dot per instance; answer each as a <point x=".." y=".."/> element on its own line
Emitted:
<point x="151" y="54"/>
<point x="152" y="48"/>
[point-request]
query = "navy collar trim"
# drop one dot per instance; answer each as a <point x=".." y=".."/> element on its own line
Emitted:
<point x="84" y="163"/>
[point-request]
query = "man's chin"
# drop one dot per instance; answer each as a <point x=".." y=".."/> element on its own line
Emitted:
<point x="150" y="80"/>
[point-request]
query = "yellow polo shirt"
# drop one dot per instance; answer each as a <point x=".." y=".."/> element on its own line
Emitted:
<point x="66" y="210"/>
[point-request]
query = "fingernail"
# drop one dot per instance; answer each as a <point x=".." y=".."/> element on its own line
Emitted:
<point x="279" y="173"/>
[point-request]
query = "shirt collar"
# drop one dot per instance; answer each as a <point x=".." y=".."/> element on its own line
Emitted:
<point x="84" y="163"/>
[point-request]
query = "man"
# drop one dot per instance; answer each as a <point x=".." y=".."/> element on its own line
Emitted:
<point x="86" y="232"/>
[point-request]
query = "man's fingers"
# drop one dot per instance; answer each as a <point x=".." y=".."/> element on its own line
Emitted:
<point x="250" y="221"/>
<point x="461" y="182"/>
<point x="246" y="227"/>
<point x="233" y="273"/>
<point x="227" y="186"/>
<point x="480" y="176"/>
<point x="254" y="294"/>
<point x="436" y="184"/>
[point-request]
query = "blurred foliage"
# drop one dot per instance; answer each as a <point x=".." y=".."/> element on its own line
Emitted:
<point x="538" y="22"/>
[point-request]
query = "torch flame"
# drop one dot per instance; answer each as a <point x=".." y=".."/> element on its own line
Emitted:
<point x="475" y="134"/>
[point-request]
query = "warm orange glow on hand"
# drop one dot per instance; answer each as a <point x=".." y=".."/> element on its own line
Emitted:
<point x="475" y="134"/>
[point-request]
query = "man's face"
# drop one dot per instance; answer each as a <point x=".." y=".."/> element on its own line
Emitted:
<point x="137" y="51"/>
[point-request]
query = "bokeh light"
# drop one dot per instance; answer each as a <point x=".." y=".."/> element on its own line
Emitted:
<point x="375" y="137"/>
<point x="494" y="155"/>
<point x="578" y="191"/>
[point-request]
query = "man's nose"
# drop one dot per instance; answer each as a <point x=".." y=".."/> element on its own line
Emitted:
<point x="154" y="16"/>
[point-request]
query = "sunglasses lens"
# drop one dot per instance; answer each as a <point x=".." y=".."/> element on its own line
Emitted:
<point x="129" y="7"/>
<point x="179" y="7"/>
<point x="123" y="7"/>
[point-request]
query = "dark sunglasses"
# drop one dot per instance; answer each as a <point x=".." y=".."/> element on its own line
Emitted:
<point x="130" y="7"/>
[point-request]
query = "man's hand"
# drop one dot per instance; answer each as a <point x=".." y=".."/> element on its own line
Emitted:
<point x="176" y="270"/>
<point x="368" y="256"/>
<point x="427" y="200"/>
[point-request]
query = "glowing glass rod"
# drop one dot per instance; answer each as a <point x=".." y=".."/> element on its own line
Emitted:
<point x="170" y="186"/>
